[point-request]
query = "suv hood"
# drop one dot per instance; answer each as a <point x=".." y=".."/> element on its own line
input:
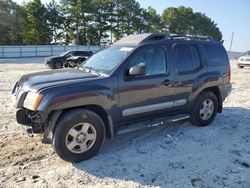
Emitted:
<point x="37" y="81"/>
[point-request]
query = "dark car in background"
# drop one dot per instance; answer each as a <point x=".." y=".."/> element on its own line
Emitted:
<point x="67" y="59"/>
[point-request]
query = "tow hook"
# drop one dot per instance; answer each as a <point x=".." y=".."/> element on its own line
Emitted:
<point x="28" y="130"/>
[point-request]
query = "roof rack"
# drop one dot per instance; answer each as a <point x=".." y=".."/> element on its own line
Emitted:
<point x="190" y="37"/>
<point x="151" y="37"/>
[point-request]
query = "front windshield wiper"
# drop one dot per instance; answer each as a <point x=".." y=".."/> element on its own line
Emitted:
<point x="94" y="70"/>
<point x="91" y="68"/>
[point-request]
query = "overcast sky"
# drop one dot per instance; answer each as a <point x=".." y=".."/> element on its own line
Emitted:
<point x="231" y="16"/>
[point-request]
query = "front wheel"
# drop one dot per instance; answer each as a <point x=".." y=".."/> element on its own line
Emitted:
<point x="78" y="135"/>
<point x="204" y="109"/>
<point x="58" y="65"/>
<point x="241" y="66"/>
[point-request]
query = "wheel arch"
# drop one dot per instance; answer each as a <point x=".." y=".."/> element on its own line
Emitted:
<point x="55" y="115"/>
<point x="57" y="61"/>
<point x="216" y="91"/>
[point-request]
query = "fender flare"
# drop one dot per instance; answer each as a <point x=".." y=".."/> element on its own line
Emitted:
<point x="55" y="115"/>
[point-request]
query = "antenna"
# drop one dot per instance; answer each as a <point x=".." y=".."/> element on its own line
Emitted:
<point x="231" y="43"/>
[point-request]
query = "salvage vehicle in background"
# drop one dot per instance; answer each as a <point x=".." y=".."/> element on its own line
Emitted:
<point x="67" y="59"/>
<point x="74" y="61"/>
<point x="139" y="82"/>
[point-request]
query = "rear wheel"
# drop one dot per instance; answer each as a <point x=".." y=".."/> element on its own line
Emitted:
<point x="78" y="135"/>
<point x="205" y="109"/>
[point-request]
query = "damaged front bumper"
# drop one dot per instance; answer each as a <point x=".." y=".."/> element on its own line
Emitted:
<point x="28" y="130"/>
<point x="35" y="122"/>
<point x="31" y="121"/>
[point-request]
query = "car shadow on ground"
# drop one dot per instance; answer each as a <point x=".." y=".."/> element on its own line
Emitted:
<point x="164" y="155"/>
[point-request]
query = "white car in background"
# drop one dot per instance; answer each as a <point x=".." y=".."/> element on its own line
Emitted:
<point x="244" y="61"/>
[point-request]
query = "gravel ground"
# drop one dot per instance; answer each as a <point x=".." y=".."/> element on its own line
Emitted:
<point x="171" y="156"/>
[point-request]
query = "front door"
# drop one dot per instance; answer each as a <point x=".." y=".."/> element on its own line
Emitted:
<point x="148" y="94"/>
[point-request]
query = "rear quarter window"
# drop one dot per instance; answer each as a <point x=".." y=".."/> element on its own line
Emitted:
<point x="216" y="55"/>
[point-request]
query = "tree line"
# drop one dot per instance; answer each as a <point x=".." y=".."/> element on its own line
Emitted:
<point x="94" y="21"/>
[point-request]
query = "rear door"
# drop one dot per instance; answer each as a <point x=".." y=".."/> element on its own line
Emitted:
<point x="187" y="70"/>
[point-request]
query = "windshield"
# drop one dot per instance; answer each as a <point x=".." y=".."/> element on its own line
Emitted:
<point x="108" y="59"/>
<point x="64" y="53"/>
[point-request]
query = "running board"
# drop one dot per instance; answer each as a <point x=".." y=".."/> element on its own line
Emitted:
<point x="150" y="124"/>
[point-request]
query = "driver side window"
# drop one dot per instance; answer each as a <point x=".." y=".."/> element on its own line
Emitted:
<point x="154" y="59"/>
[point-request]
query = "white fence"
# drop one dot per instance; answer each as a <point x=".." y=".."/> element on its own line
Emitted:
<point x="40" y="50"/>
<point x="50" y="50"/>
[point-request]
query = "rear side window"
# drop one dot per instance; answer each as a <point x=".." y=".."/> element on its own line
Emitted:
<point x="83" y="53"/>
<point x="78" y="53"/>
<point x="216" y="55"/>
<point x="186" y="57"/>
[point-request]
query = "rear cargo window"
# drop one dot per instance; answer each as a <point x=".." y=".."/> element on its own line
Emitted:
<point x="216" y="55"/>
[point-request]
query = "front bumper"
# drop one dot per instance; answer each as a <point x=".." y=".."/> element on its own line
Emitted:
<point x="28" y="130"/>
<point x="244" y="64"/>
<point x="31" y="121"/>
<point x="48" y="63"/>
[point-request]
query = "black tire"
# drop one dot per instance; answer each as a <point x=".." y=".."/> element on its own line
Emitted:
<point x="196" y="118"/>
<point x="50" y="66"/>
<point x="240" y="66"/>
<point x="58" y="65"/>
<point x="64" y="125"/>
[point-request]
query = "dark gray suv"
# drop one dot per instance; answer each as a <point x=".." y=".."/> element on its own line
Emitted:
<point x="138" y="82"/>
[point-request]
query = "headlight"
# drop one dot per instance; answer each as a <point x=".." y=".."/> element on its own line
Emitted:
<point x="32" y="100"/>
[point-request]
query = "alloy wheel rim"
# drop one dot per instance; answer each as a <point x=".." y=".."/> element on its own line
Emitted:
<point x="80" y="138"/>
<point x="58" y="65"/>
<point x="207" y="109"/>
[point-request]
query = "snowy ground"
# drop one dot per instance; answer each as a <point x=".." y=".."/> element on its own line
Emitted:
<point x="171" y="156"/>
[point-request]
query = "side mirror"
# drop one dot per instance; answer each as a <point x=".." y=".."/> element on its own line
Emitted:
<point x="137" y="70"/>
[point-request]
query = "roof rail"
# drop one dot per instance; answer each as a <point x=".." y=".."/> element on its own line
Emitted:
<point x="190" y="37"/>
<point x="151" y="37"/>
